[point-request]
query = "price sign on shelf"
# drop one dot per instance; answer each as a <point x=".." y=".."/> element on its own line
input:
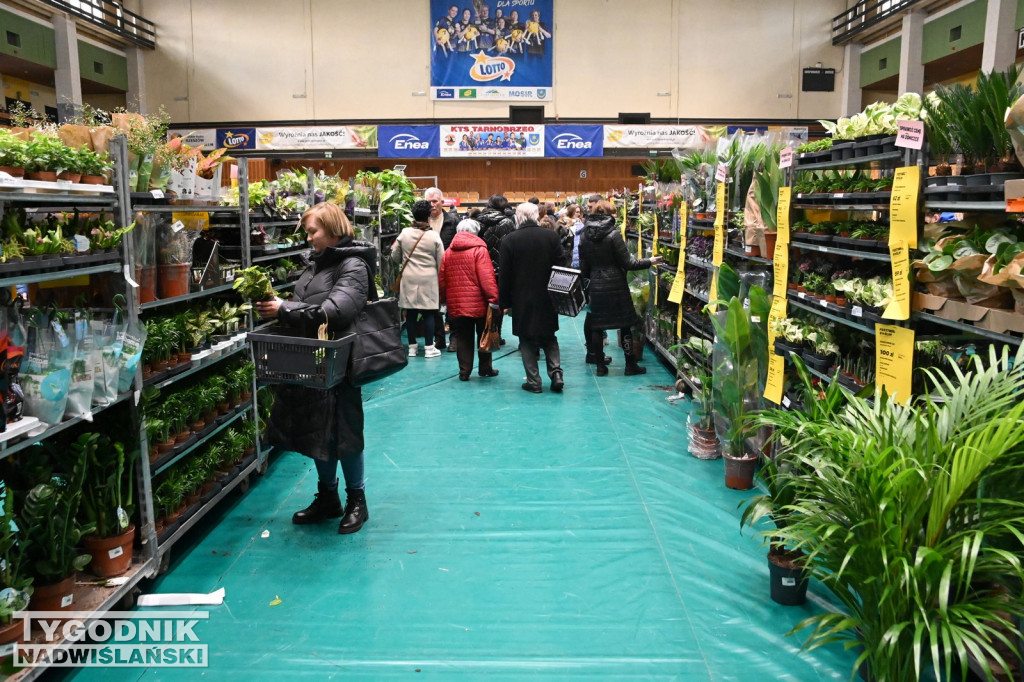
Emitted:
<point x="719" y="252"/>
<point x="781" y="265"/>
<point x="906" y="185"/>
<point x="786" y="157"/>
<point x="722" y="172"/>
<point x="776" y="378"/>
<point x="910" y="134"/>
<point x="778" y="312"/>
<point x="720" y="207"/>
<point x="899" y="306"/>
<point x="679" y="322"/>
<point x="782" y="215"/>
<point x="894" y="361"/>
<point x="675" y="295"/>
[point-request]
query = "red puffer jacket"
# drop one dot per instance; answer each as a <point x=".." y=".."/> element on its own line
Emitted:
<point x="467" y="277"/>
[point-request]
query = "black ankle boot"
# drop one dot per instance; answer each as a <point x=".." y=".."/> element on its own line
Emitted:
<point x="356" y="513"/>
<point x="632" y="369"/>
<point x="592" y="359"/>
<point x="326" y="505"/>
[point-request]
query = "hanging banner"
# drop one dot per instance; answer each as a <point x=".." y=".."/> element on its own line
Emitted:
<point x="487" y="140"/>
<point x="664" y="137"/>
<point x="317" y="137"/>
<point x="408" y="142"/>
<point x="894" y="361"/>
<point x="480" y="54"/>
<point x="573" y="141"/>
<point x="201" y="138"/>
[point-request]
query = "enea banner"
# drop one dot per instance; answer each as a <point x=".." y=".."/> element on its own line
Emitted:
<point x="317" y="137"/>
<point x="492" y="141"/>
<point x="404" y="142"/>
<point x="491" y="50"/>
<point x="656" y="137"/>
<point x="574" y="141"/>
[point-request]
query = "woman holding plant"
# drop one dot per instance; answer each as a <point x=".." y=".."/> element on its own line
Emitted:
<point x="326" y="425"/>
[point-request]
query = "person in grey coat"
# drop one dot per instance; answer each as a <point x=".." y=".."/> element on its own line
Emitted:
<point x="527" y="256"/>
<point x="325" y="424"/>
<point x="604" y="260"/>
<point x="419" y="295"/>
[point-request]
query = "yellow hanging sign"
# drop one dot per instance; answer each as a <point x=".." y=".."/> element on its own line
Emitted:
<point x="894" y="361"/>
<point x="899" y="306"/>
<point x="776" y="378"/>
<point x="906" y="185"/>
<point x="679" y="283"/>
<point x="781" y="265"/>
<point x="654" y="244"/>
<point x="625" y="214"/>
<point x="713" y="295"/>
<point x="719" y="252"/>
<point x="683" y="217"/>
<point x="720" y="208"/>
<point x="679" y="322"/>
<point x="782" y="215"/>
<point x="778" y="312"/>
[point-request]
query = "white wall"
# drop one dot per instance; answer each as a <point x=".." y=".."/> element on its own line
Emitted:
<point x="234" y="60"/>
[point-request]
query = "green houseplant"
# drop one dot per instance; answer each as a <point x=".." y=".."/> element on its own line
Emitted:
<point x="15" y="580"/>
<point x="107" y="504"/>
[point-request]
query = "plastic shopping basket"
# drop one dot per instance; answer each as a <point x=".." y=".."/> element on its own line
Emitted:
<point x="565" y="286"/>
<point x="300" y="361"/>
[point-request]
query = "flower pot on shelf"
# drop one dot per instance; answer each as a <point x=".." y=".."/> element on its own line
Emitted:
<point x="56" y="597"/>
<point x="93" y="180"/>
<point x="145" y="276"/>
<point x="69" y="176"/>
<point x="173" y="280"/>
<point x="769" y="244"/>
<point x="44" y="176"/>
<point x="13" y="171"/>
<point x="110" y="556"/>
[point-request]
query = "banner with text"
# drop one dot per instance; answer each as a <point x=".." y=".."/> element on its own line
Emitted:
<point x="574" y="141"/>
<point x="403" y="142"/>
<point x="492" y="140"/>
<point x="317" y="137"/>
<point x="202" y="138"/>
<point x="492" y="50"/>
<point x="665" y="137"/>
<point x="236" y="138"/>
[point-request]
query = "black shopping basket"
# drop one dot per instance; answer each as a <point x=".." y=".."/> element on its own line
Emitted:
<point x="300" y="361"/>
<point x="565" y="286"/>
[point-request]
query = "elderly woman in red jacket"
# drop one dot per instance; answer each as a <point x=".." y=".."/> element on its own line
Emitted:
<point x="469" y="287"/>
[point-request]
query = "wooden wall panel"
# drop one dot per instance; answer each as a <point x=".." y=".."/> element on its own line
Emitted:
<point x="484" y="176"/>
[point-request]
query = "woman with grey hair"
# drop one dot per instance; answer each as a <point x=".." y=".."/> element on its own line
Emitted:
<point x="468" y="286"/>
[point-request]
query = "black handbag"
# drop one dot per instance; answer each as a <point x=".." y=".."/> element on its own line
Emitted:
<point x="377" y="351"/>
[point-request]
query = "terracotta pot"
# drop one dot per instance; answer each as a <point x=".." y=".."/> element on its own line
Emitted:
<point x="791" y="286"/>
<point x="224" y="407"/>
<point x="145" y="276"/>
<point x="110" y="556"/>
<point x="45" y="176"/>
<point x="68" y="175"/>
<point x="739" y="472"/>
<point x="801" y="289"/>
<point x="841" y="300"/>
<point x="769" y="244"/>
<point x="182" y="437"/>
<point x="160" y="366"/>
<point x="197" y="426"/>
<point x="13" y="171"/>
<point x="56" y="597"/>
<point x="752" y="251"/>
<point x="173" y="280"/>
<point x="93" y="180"/>
<point x="831" y="298"/>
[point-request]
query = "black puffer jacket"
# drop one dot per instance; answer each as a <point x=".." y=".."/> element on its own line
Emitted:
<point x="451" y="221"/>
<point x="604" y="260"/>
<point x="324" y="423"/>
<point x="494" y="226"/>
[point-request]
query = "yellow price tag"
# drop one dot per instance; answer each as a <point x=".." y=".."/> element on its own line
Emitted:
<point x="894" y="361"/>
<point x="776" y="378"/>
<point x="683" y="217"/>
<point x="899" y="306"/>
<point x="781" y="265"/>
<point x="782" y="215"/>
<point x="778" y="312"/>
<point x="679" y="323"/>
<point x="657" y="231"/>
<point x="906" y="185"/>
<point x="675" y="295"/>
<point x="713" y="296"/>
<point x="720" y="208"/>
<point x="625" y="215"/>
<point x="719" y="252"/>
<point x="657" y="281"/>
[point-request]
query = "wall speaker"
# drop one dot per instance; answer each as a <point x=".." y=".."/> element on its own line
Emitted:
<point x="635" y="119"/>
<point x="526" y="115"/>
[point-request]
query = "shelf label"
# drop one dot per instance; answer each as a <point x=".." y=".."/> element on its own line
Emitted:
<point x="722" y="172"/>
<point x="115" y="552"/>
<point x="776" y="378"/>
<point x="906" y="185"/>
<point x="786" y="401"/>
<point x="782" y="215"/>
<point x="178" y="226"/>
<point x="910" y="134"/>
<point x="899" y="306"/>
<point x="785" y="161"/>
<point x="894" y="361"/>
<point x="781" y="266"/>
<point x="128" y="277"/>
<point x="720" y="207"/>
<point x="156" y="193"/>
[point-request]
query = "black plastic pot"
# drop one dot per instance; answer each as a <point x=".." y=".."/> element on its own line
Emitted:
<point x="788" y="583"/>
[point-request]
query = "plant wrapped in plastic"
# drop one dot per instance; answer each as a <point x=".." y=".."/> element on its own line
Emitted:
<point x="911" y="516"/>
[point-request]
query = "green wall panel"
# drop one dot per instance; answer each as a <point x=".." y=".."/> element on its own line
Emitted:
<point x="871" y="67"/>
<point x="968" y="21"/>
<point x="92" y="60"/>
<point x="1019" y="24"/>
<point x="37" y="41"/>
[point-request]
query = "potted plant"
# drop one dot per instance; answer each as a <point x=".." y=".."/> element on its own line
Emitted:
<point x="93" y="166"/>
<point x="174" y="258"/>
<point x="107" y="504"/>
<point x="13" y="154"/>
<point x="15" y="580"/>
<point x="254" y="284"/>
<point x="703" y="439"/>
<point x="46" y="157"/>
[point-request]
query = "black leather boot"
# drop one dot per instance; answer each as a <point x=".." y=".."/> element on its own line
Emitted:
<point x="632" y="369"/>
<point x="598" y="358"/>
<point x="326" y="505"/>
<point x="356" y="513"/>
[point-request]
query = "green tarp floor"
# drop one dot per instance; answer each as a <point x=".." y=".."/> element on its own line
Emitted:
<point x="511" y="536"/>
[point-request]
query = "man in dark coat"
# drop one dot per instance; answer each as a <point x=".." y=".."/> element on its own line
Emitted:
<point x="443" y="222"/>
<point x="526" y="259"/>
<point x="495" y="225"/>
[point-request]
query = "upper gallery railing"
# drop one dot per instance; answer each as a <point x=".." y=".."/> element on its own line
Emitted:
<point x="112" y="17"/>
<point x="866" y="15"/>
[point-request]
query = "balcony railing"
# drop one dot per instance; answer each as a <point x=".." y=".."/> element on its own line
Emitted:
<point x="866" y="15"/>
<point x="111" y="17"/>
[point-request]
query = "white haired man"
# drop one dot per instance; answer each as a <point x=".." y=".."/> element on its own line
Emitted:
<point x="443" y="222"/>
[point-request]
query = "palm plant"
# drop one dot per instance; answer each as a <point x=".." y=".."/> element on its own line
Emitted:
<point x="911" y="516"/>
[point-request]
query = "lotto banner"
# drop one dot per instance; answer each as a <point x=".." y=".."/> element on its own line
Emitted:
<point x="405" y="142"/>
<point x="491" y="50"/>
<point x="492" y="141"/>
<point x="574" y="141"/>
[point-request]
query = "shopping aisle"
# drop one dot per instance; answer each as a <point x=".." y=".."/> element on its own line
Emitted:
<point x="511" y="536"/>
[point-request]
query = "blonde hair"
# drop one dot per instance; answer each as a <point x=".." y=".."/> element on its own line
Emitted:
<point x="332" y="219"/>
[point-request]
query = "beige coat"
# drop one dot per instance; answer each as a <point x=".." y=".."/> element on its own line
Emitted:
<point x="419" y="281"/>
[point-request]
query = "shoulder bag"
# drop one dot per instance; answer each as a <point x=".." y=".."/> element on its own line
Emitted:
<point x="396" y="286"/>
<point x="490" y="340"/>
<point x="377" y="351"/>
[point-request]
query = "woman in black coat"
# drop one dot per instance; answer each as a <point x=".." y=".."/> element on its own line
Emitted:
<point x="326" y="424"/>
<point x="604" y="260"/>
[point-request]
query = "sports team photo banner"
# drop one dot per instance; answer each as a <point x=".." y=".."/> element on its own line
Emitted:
<point x="317" y="137"/>
<point x="491" y="50"/>
<point x="404" y="142"/>
<point x="666" y="137"/>
<point x="492" y="140"/>
<point x="573" y="141"/>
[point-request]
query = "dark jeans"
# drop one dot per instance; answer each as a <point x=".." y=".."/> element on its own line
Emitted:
<point x="466" y="342"/>
<point x="351" y="469"/>
<point x="530" y="347"/>
<point x="417" y="319"/>
<point x="439" y="329"/>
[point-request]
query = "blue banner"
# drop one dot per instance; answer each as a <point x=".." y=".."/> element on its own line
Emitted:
<point x="405" y="142"/>
<point x="491" y="50"/>
<point x="236" y="138"/>
<point x="574" y="141"/>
